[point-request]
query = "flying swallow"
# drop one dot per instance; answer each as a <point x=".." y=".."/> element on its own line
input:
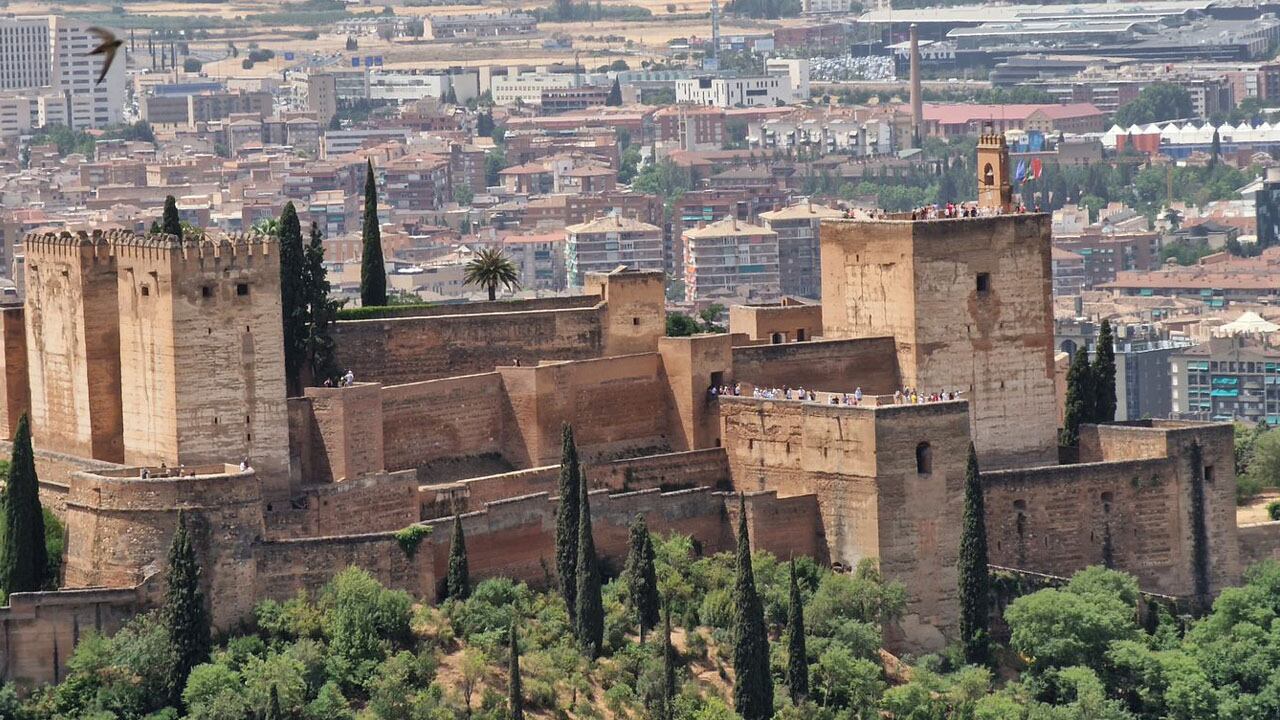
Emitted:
<point x="109" y="45"/>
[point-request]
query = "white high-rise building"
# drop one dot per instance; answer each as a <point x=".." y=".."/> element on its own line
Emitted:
<point x="47" y="57"/>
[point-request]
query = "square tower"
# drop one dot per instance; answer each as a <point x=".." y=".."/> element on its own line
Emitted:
<point x="202" y="370"/>
<point x="967" y="301"/>
<point x="73" y="344"/>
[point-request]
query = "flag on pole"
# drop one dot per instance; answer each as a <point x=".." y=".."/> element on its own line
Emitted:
<point x="1037" y="167"/>
<point x="1020" y="173"/>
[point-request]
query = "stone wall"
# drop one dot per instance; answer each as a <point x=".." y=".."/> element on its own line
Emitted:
<point x="284" y="567"/>
<point x="120" y="526"/>
<point x="375" y="502"/>
<point x="15" y="389"/>
<point x="617" y="405"/>
<point x="39" y="631"/>
<point x="622" y="313"/>
<point x="401" y="350"/>
<point x="829" y="365"/>
<point x="54" y="470"/>
<point x="1258" y="542"/>
<point x="968" y="304"/>
<point x="1122" y="507"/>
<point x="683" y="470"/>
<point x="460" y="417"/>
<point x="790" y="320"/>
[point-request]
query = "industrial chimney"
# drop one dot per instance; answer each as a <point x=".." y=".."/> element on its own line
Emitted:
<point x="917" y="98"/>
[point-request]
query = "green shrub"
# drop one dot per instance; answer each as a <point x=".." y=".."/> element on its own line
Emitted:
<point x="1273" y="509"/>
<point x="409" y="538"/>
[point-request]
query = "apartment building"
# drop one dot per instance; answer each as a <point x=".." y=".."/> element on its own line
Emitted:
<point x="799" y="270"/>
<point x="47" y="57"/>
<point x="607" y="242"/>
<point x="731" y="259"/>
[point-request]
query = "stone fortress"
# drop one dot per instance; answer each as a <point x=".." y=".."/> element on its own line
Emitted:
<point x="162" y="355"/>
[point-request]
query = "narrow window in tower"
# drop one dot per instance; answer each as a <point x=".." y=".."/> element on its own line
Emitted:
<point x="984" y="283"/>
<point x="242" y="288"/>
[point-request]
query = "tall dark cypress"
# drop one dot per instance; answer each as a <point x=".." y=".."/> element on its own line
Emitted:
<point x="273" y="706"/>
<point x="567" y="520"/>
<point x="458" y="579"/>
<point x="322" y="312"/>
<point x="797" y="654"/>
<point x="170" y="223"/>
<point x="1081" y="405"/>
<point x="24" y="562"/>
<point x="615" y="95"/>
<point x="753" y="685"/>
<point x="642" y="579"/>
<point x="185" y="613"/>
<point x="515" y="688"/>
<point x="1104" y="376"/>
<point x="590" y="605"/>
<point x="975" y="582"/>
<point x="373" y="274"/>
<point x="667" y="711"/>
<point x="293" y="306"/>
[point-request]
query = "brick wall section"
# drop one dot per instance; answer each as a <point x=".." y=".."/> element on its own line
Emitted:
<point x="394" y="351"/>
<point x="691" y="366"/>
<point x="39" y="631"/>
<point x="15" y="390"/>
<point x="829" y="365"/>
<point x="697" y="468"/>
<point x="1258" y="542"/>
<point x="283" y="567"/>
<point x="347" y="425"/>
<point x="917" y="281"/>
<point x="453" y="418"/>
<point x="1057" y="520"/>
<point x="590" y="395"/>
<point x="378" y="502"/>
<point x="787" y="527"/>
<point x="516" y="537"/>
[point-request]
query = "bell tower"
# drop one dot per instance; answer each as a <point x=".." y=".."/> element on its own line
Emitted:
<point x="994" y="189"/>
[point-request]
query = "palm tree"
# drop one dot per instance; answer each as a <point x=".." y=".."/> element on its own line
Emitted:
<point x="490" y="268"/>
<point x="268" y="226"/>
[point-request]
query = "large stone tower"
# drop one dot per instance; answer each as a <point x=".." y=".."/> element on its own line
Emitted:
<point x="967" y="301"/>
<point x="73" y="344"/>
<point x="202" y="373"/>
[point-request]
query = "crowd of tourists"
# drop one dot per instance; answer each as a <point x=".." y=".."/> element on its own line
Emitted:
<point x="904" y="396"/>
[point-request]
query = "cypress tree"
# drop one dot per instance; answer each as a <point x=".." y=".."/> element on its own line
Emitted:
<point x="797" y="655"/>
<point x="972" y="565"/>
<point x="273" y="706"/>
<point x="24" y="561"/>
<point x="484" y="124"/>
<point x="667" y="711"/>
<point x="567" y="520"/>
<point x="293" y="307"/>
<point x="753" y="686"/>
<point x="615" y="95"/>
<point x="458" y="579"/>
<point x="321" y="312"/>
<point x="515" y="689"/>
<point x="1104" y="376"/>
<point x="373" y="274"/>
<point x="590" y="606"/>
<point x="642" y="579"/>
<point x="170" y="223"/>
<point x="1080" y="401"/>
<point x="184" y="610"/>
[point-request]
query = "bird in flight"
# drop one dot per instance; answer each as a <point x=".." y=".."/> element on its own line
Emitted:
<point x="109" y="45"/>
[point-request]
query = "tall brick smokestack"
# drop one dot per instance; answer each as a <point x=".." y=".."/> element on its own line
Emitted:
<point x="917" y="98"/>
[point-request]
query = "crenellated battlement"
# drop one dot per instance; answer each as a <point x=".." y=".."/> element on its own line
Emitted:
<point x="104" y="244"/>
